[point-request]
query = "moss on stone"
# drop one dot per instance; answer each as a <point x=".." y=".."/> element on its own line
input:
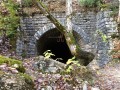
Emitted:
<point x="1" y="73"/>
<point x="13" y="43"/>
<point x="11" y="62"/>
<point x="28" y="79"/>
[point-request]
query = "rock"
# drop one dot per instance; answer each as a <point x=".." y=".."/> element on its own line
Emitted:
<point x="85" y="85"/>
<point x="93" y="65"/>
<point x="14" y="71"/>
<point x="9" y="81"/>
<point x="48" y="65"/>
<point x="95" y="88"/>
<point x="47" y="88"/>
<point x="3" y="66"/>
<point x="16" y="66"/>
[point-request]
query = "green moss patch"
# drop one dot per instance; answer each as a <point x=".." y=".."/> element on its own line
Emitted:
<point x="12" y="62"/>
<point x="28" y="79"/>
<point x="1" y="73"/>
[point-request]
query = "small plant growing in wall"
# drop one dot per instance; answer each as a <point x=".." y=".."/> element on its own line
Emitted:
<point x="24" y="54"/>
<point x="103" y="36"/>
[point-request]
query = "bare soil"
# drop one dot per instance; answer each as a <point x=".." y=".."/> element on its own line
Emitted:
<point x="108" y="78"/>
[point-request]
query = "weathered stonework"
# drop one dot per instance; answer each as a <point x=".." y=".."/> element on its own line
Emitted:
<point x="87" y="28"/>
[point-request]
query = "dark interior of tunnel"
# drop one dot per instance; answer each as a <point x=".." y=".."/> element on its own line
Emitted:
<point x="53" y="40"/>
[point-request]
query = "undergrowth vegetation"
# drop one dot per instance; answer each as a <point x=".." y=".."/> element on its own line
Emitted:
<point x="74" y="69"/>
<point x="9" y="17"/>
<point x="28" y="78"/>
<point x="27" y="3"/>
<point x="90" y="3"/>
<point x="9" y="20"/>
<point x="15" y="64"/>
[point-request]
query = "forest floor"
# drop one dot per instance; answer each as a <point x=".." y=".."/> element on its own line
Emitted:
<point x="108" y="78"/>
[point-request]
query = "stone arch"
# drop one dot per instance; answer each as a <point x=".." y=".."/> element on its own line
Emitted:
<point x="43" y="30"/>
<point x="53" y="40"/>
<point x="59" y="49"/>
<point x="84" y="36"/>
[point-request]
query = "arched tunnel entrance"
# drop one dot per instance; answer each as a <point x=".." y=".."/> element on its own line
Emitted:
<point x="53" y="40"/>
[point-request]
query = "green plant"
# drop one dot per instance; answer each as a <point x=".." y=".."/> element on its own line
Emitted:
<point x="89" y="3"/>
<point x="24" y="54"/>
<point x="28" y="79"/>
<point x="103" y="36"/>
<point x="47" y="54"/>
<point x="114" y="8"/>
<point x="58" y="59"/>
<point x="9" y="20"/>
<point x="74" y="69"/>
<point x="70" y="64"/>
<point x="27" y="3"/>
<point x="9" y="17"/>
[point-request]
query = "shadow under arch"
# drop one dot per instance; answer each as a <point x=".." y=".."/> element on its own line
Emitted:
<point x="53" y="40"/>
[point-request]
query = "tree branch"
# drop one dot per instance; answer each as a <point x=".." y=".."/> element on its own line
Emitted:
<point x="70" y="40"/>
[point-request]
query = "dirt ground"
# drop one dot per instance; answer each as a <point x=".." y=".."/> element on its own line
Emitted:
<point x="108" y="78"/>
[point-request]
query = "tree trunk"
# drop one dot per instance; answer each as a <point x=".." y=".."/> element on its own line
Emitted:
<point x="83" y="56"/>
<point x="118" y="19"/>
<point x="69" y="16"/>
<point x="4" y="37"/>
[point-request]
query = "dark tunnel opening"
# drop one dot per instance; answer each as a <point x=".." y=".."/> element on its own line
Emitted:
<point x="53" y="40"/>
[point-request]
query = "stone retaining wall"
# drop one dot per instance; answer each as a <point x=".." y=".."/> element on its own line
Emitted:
<point x="87" y="27"/>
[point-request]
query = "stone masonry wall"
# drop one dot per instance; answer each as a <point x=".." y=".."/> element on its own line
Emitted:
<point x="87" y="26"/>
<point x="107" y="26"/>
